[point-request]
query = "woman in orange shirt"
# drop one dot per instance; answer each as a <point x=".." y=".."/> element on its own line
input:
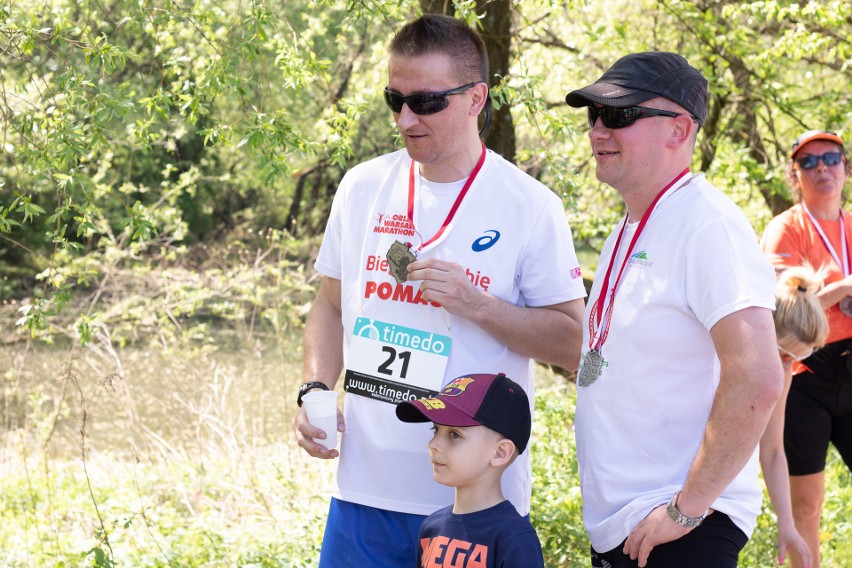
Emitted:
<point x="817" y="232"/>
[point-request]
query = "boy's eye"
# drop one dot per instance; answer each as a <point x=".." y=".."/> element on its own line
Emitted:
<point x="454" y="434"/>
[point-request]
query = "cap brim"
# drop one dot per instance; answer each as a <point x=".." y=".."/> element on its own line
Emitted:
<point x="450" y="415"/>
<point x="607" y="94"/>
<point x="828" y="136"/>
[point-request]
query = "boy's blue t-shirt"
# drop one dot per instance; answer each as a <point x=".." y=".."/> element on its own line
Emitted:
<point x="497" y="537"/>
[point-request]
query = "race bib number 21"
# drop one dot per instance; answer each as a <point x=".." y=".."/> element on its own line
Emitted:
<point x="393" y="363"/>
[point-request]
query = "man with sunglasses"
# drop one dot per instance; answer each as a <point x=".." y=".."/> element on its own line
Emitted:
<point x="680" y="371"/>
<point x="437" y="259"/>
<point x="816" y="231"/>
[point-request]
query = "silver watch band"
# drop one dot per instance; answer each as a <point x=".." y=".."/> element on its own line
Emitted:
<point x="680" y="518"/>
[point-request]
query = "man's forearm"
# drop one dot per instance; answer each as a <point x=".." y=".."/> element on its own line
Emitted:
<point x="551" y="334"/>
<point x="750" y="385"/>
<point x="323" y="337"/>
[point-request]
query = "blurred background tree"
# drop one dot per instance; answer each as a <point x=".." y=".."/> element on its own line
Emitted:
<point x="138" y="135"/>
<point x="166" y="170"/>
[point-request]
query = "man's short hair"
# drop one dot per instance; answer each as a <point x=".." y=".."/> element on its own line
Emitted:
<point x="432" y="33"/>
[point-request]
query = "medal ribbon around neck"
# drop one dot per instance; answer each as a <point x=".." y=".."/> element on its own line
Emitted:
<point x="597" y="308"/>
<point x="845" y="264"/>
<point x="453" y="209"/>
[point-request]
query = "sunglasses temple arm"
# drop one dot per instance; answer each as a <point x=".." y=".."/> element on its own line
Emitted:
<point x="487" y="124"/>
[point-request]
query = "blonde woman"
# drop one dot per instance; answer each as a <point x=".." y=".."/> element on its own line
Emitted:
<point x="801" y="327"/>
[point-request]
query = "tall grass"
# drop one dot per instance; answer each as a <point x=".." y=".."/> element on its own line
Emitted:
<point x="188" y="460"/>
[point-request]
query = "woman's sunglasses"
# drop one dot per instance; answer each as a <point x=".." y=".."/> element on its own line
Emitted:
<point x="790" y="356"/>
<point x="622" y="117"/>
<point x="809" y="161"/>
<point x="423" y="103"/>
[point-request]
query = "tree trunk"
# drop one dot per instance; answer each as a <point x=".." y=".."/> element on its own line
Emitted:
<point x="749" y="133"/>
<point x="497" y="33"/>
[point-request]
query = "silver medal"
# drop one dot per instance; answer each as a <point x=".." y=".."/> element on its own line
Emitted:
<point x="591" y="368"/>
<point x="846" y="306"/>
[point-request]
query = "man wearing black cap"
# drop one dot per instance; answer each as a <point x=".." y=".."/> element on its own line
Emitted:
<point x="679" y="372"/>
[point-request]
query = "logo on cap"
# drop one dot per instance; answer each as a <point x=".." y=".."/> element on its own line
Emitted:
<point x="456" y="386"/>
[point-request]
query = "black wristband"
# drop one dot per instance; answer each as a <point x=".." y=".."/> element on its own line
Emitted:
<point x="309" y="386"/>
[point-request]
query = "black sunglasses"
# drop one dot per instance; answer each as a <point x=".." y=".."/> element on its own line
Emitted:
<point x="809" y="161"/>
<point x="622" y="117"/>
<point x="423" y="103"/>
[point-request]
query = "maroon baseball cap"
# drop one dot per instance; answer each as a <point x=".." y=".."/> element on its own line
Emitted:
<point x="494" y="401"/>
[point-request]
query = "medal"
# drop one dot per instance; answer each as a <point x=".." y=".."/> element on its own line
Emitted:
<point x="600" y="315"/>
<point x="591" y="367"/>
<point x="846" y="306"/>
<point x="399" y="257"/>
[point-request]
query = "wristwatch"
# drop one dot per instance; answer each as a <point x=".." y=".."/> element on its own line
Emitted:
<point x="680" y="518"/>
<point x="303" y="390"/>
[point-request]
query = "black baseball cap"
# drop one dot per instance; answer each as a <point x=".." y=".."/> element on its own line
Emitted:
<point x="494" y="401"/>
<point x="638" y="77"/>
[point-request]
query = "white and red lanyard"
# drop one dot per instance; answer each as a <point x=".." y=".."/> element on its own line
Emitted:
<point x="411" y="199"/>
<point x="843" y="262"/>
<point x="597" y="332"/>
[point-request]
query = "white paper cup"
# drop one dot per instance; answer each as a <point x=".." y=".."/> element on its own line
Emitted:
<point x="321" y="407"/>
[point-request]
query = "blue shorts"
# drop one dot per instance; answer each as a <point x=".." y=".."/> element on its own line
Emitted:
<point x="359" y="536"/>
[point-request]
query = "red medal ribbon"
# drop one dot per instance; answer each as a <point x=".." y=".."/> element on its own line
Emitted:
<point x="455" y="206"/>
<point x="596" y="312"/>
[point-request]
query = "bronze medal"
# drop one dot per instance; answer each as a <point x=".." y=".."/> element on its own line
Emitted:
<point x="846" y="306"/>
<point x="591" y="368"/>
<point x="399" y="257"/>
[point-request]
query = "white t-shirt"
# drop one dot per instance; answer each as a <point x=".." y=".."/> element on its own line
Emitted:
<point x="639" y="425"/>
<point x="511" y="236"/>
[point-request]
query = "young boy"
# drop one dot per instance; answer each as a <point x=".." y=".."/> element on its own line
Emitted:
<point x="481" y="423"/>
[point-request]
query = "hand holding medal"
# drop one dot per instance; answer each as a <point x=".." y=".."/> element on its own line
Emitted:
<point x="447" y="284"/>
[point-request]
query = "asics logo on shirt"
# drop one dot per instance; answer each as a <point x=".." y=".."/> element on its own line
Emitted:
<point x="486" y="241"/>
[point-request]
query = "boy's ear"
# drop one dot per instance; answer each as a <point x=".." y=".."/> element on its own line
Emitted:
<point x="504" y="451"/>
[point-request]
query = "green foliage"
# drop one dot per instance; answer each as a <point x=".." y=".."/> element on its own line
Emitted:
<point x="190" y="465"/>
<point x="130" y="127"/>
<point x="166" y="167"/>
<point x="556" y="507"/>
<point x="181" y="458"/>
<point x="835" y="533"/>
